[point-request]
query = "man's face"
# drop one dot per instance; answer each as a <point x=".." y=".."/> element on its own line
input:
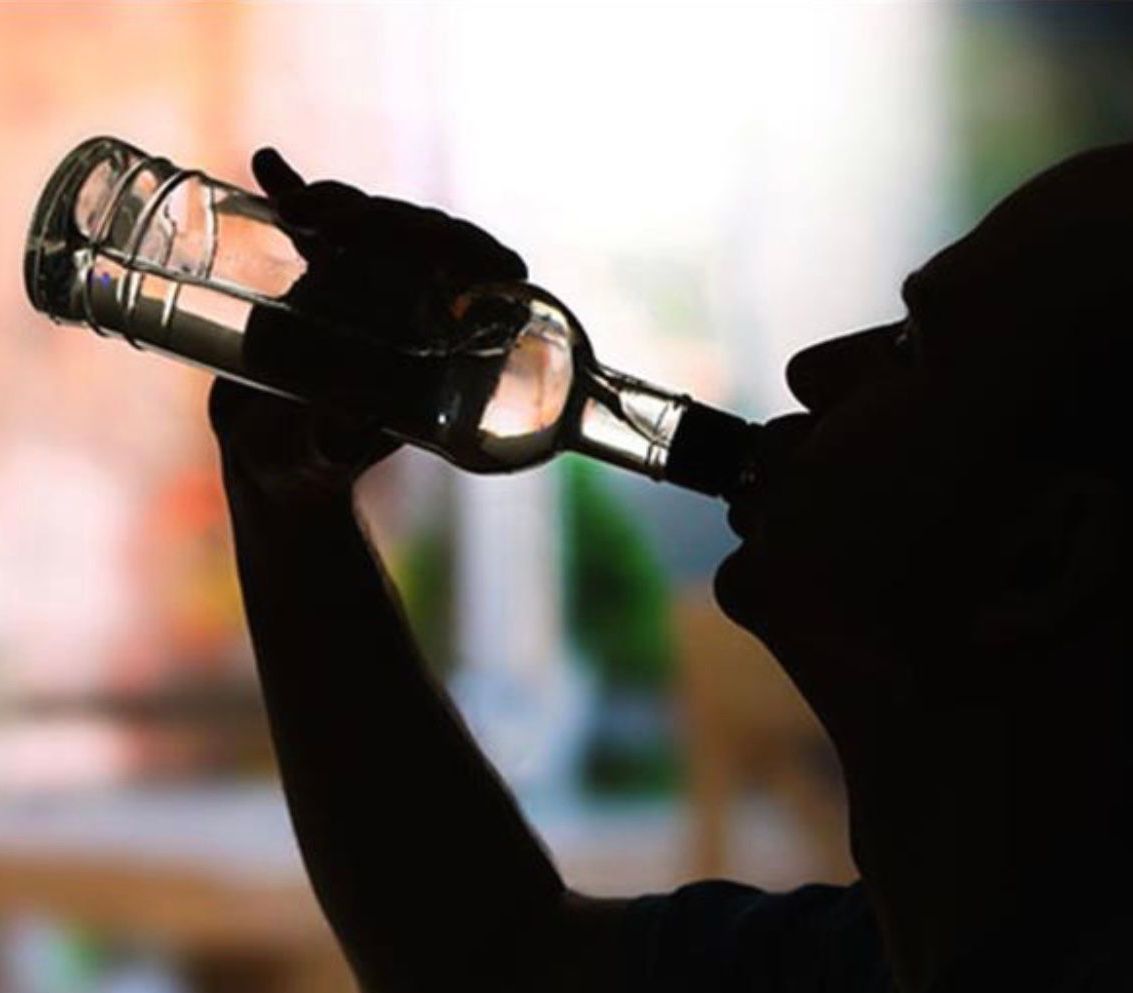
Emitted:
<point x="858" y="516"/>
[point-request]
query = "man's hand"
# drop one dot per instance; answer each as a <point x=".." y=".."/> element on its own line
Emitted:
<point x="376" y="263"/>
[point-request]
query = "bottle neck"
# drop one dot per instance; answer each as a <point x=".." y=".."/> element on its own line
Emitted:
<point x="662" y="435"/>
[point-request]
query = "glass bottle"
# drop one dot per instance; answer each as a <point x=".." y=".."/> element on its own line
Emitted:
<point x="503" y="377"/>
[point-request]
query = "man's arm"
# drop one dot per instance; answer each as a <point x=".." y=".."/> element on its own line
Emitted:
<point x="419" y="856"/>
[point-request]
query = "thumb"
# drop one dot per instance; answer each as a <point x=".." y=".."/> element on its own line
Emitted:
<point x="274" y="175"/>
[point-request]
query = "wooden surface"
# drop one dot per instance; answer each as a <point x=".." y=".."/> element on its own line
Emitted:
<point x="748" y="732"/>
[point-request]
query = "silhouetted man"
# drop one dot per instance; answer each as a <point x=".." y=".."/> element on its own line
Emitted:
<point x="937" y="554"/>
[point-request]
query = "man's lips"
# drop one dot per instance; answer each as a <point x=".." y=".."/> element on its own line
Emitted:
<point x="777" y="442"/>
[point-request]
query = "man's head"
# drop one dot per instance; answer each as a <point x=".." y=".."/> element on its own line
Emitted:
<point x="956" y="498"/>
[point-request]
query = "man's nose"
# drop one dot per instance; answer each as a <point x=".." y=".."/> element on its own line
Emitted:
<point x="822" y="375"/>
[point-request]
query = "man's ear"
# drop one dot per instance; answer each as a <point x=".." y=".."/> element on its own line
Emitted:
<point x="1058" y="555"/>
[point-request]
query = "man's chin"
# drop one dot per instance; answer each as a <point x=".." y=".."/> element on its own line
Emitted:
<point x="739" y="590"/>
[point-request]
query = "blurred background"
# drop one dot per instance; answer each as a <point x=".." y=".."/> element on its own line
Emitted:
<point x="709" y="188"/>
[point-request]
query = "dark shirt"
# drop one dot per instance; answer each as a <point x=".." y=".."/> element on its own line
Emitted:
<point x="722" y="937"/>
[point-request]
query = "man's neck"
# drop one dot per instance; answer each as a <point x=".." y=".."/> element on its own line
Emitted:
<point x="963" y="818"/>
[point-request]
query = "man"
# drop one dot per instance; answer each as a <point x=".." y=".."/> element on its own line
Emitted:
<point x="937" y="554"/>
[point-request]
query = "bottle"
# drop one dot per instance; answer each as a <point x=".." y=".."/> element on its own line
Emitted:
<point x="173" y="261"/>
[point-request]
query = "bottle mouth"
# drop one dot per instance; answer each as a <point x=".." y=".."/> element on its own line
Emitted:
<point x="713" y="452"/>
<point x="55" y="237"/>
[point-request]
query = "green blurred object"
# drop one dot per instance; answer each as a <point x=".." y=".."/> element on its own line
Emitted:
<point x="617" y="607"/>
<point x="617" y="600"/>
<point x="426" y="584"/>
<point x="649" y="770"/>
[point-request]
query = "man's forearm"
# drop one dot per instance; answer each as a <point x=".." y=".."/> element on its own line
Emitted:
<point x="417" y="852"/>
